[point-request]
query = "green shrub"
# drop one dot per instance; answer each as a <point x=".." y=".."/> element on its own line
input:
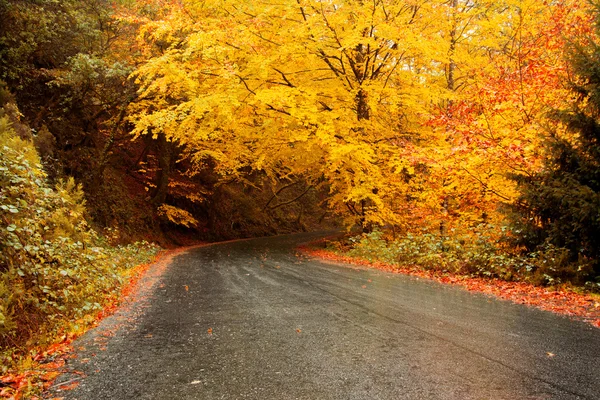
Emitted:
<point x="480" y="252"/>
<point x="53" y="266"/>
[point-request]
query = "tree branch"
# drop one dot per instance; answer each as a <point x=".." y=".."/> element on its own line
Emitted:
<point x="291" y="201"/>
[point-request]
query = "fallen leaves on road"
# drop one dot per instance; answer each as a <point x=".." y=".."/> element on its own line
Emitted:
<point x="50" y="376"/>
<point x="69" y="386"/>
<point x="560" y="301"/>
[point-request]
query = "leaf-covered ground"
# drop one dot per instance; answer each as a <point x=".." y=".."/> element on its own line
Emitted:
<point x="558" y="300"/>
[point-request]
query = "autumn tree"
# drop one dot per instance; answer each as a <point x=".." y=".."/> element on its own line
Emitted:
<point x="327" y="92"/>
<point x="560" y="203"/>
<point x="509" y="76"/>
<point x="408" y="113"/>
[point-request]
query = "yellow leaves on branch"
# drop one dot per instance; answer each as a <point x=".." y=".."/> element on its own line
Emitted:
<point x="388" y="102"/>
<point x="177" y="216"/>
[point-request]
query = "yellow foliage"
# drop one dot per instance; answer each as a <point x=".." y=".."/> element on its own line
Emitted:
<point x="344" y="94"/>
<point x="177" y="216"/>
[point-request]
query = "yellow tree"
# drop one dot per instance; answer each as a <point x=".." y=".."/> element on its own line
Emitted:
<point x="494" y="118"/>
<point x="333" y="92"/>
<point x="396" y="106"/>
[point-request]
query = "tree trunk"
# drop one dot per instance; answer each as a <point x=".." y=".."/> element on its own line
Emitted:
<point x="362" y="113"/>
<point x="451" y="80"/>
<point x="362" y="108"/>
<point x="98" y="178"/>
<point x="165" y="156"/>
<point x="367" y="227"/>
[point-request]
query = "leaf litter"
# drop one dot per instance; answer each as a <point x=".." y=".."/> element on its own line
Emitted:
<point x="561" y="301"/>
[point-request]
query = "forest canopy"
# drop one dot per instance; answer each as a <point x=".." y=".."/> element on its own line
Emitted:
<point x="461" y="121"/>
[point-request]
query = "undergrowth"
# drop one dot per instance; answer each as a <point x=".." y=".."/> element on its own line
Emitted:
<point x="480" y="252"/>
<point x="56" y="272"/>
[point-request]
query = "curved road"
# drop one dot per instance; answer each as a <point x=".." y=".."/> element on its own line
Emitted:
<point x="254" y="320"/>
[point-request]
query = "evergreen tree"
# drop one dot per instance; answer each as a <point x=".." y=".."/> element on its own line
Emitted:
<point x="560" y="204"/>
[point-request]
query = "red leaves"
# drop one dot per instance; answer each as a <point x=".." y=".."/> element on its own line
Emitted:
<point x="14" y="382"/>
<point x="17" y="385"/>
<point x="50" y="376"/>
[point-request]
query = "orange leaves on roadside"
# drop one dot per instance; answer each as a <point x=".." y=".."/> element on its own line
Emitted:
<point x="15" y="383"/>
<point x="56" y="348"/>
<point x="50" y="376"/>
<point x="560" y="301"/>
<point x="69" y="386"/>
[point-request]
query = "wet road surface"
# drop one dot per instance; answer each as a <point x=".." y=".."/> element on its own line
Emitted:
<point x="254" y="320"/>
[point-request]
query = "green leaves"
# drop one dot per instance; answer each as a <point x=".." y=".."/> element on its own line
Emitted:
<point x="55" y="265"/>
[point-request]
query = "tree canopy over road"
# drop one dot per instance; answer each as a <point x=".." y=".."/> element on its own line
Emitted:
<point x="455" y="135"/>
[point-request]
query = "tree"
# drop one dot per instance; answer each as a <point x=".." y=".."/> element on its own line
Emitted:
<point x="409" y="113"/>
<point x="511" y="77"/>
<point x="329" y="92"/>
<point x="559" y="205"/>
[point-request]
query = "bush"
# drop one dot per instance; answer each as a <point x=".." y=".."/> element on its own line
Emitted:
<point x="473" y="253"/>
<point x="53" y="266"/>
<point x="481" y="252"/>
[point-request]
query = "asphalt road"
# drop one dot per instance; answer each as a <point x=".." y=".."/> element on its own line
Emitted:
<point x="254" y="320"/>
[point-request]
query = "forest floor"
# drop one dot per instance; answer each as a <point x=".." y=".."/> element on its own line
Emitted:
<point x="564" y="300"/>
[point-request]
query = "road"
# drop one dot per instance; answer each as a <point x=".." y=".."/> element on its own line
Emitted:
<point x="255" y="320"/>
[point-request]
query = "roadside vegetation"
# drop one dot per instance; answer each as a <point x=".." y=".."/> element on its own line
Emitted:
<point x="473" y="254"/>
<point x="56" y="273"/>
<point x="459" y="136"/>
